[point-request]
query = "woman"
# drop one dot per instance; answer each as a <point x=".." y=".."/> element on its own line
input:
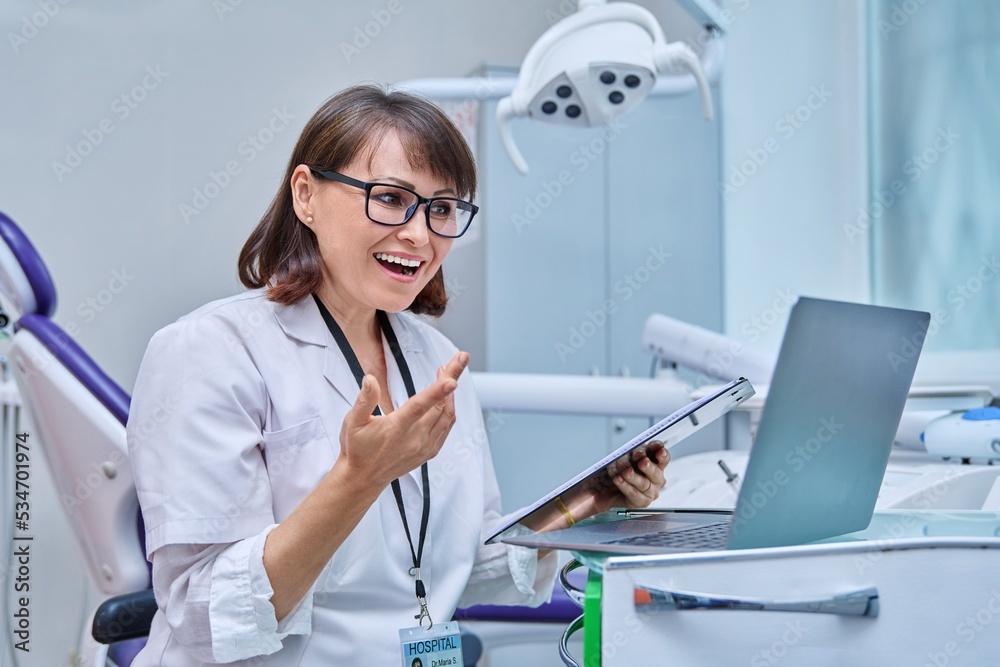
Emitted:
<point x="276" y="531"/>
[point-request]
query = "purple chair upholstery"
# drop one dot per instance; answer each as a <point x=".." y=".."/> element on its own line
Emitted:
<point x="43" y="291"/>
<point x="124" y="653"/>
<point x="76" y="361"/>
<point x="561" y="609"/>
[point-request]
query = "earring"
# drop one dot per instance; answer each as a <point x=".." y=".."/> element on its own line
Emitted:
<point x="309" y="218"/>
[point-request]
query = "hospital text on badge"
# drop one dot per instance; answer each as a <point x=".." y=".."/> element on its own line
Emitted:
<point x="431" y="646"/>
<point x="438" y="647"/>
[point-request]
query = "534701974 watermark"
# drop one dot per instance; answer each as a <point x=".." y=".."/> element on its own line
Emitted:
<point x="20" y="563"/>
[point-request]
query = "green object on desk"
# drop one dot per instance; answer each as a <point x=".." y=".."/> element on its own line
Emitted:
<point x="592" y="621"/>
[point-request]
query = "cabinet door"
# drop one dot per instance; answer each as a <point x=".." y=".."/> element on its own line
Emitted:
<point x="664" y="236"/>
<point x="546" y="278"/>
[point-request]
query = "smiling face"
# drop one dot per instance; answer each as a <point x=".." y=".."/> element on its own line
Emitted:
<point x="367" y="266"/>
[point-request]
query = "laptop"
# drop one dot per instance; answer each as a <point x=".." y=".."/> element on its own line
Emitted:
<point x="816" y="466"/>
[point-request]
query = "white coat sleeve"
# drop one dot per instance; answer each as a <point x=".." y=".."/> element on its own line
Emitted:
<point x="503" y="573"/>
<point x="217" y="600"/>
<point x="194" y="435"/>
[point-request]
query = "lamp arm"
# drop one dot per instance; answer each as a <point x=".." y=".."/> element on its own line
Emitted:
<point x="681" y="54"/>
<point x="506" y="111"/>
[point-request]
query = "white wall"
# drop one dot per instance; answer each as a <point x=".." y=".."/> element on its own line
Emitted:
<point x="222" y="75"/>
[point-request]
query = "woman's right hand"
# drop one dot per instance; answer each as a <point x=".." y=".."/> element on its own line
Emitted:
<point x="386" y="447"/>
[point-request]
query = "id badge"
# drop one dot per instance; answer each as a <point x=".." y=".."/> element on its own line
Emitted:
<point x="440" y="646"/>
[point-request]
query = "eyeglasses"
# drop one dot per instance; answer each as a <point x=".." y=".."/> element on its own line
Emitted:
<point x="394" y="205"/>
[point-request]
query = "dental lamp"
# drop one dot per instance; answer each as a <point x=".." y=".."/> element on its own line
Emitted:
<point x="596" y="64"/>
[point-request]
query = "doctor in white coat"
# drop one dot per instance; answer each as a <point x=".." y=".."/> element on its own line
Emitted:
<point x="308" y="456"/>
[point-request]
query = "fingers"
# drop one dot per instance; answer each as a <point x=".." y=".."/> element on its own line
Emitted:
<point x="422" y="402"/>
<point x="364" y="405"/>
<point x="636" y="489"/>
<point x="643" y="487"/>
<point x="456" y="366"/>
<point x="447" y="380"/>
<point x="442" y="424"/>
<point x="653" y="473"/>
<point x="443" y="413"/>
<point x="660" y="454"/>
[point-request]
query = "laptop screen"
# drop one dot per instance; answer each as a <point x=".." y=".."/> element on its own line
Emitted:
<point x="828" y="424"/>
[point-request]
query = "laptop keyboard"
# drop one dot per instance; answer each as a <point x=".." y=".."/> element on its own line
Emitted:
<point x="707" y="536"/>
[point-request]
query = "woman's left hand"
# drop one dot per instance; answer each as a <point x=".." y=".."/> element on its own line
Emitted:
<point x="637" y="483"/>
<point x="632" y="481"/>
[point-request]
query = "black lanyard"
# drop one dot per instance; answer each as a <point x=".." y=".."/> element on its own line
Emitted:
<point x="404" y="370"/>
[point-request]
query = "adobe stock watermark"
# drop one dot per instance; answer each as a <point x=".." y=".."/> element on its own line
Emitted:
<point x="786" y="127"/>
<point x="581" y="158"/>
<point x="626" y="287"/>
<point x="223" y="7"/>
<point x="32" y="24"/>
<point x="967" y="630"/>
<point x="278" y="462"/>
<point x="363" y="35"/>
<point x="796" y="459"/>
<point x="958" y="298"/>
<point x="751" y="330"/>
<point x="907" y="523"/>
<point x="248" y="149"/>
<point x="247" y="321"/>
<point x="727" y="18"/>
<point x="88" y="309"/>
<point x="121" y="108"/>
<point x="454" y="288"/>
<point x="565" y="8"/>
<point x="92" y="306"/>
<point x="964" y="292"/>
<point x="101" y="471"/>
<point x="915" y="167"/>
<point x="468" y="448"/>
<point x="773" y="654"/>
<point x="163" y="412"/>
<point x="899" y="15"/>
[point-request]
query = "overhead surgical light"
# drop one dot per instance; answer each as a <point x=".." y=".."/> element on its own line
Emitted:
<point x="595" y="65"/>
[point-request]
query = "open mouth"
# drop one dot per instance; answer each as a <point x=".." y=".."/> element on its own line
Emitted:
<point x="400" y="265"/>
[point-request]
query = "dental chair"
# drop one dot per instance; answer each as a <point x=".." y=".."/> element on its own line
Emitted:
<point x="79" y="415"/>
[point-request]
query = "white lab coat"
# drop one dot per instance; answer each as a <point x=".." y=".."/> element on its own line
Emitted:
<point x="236" y="417"/>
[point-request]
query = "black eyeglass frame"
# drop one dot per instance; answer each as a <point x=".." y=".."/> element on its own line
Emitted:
<point x="367" y="187"/>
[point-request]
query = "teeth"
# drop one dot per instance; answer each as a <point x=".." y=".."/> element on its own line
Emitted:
<point x="385" y="257"/>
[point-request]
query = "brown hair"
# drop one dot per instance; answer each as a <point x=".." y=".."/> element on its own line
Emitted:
<point x="282" y="253"/>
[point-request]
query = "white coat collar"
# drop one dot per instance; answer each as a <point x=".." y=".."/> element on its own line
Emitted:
<point x="303" y="321"/>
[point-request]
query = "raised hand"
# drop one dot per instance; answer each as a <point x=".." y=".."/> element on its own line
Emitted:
<point x="386" y="447"/>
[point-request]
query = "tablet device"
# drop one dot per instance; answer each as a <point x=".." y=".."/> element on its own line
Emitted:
<point x="581" y="494"/>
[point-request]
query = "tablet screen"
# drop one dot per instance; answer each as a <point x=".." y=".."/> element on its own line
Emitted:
<point x="583" y="494"/>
